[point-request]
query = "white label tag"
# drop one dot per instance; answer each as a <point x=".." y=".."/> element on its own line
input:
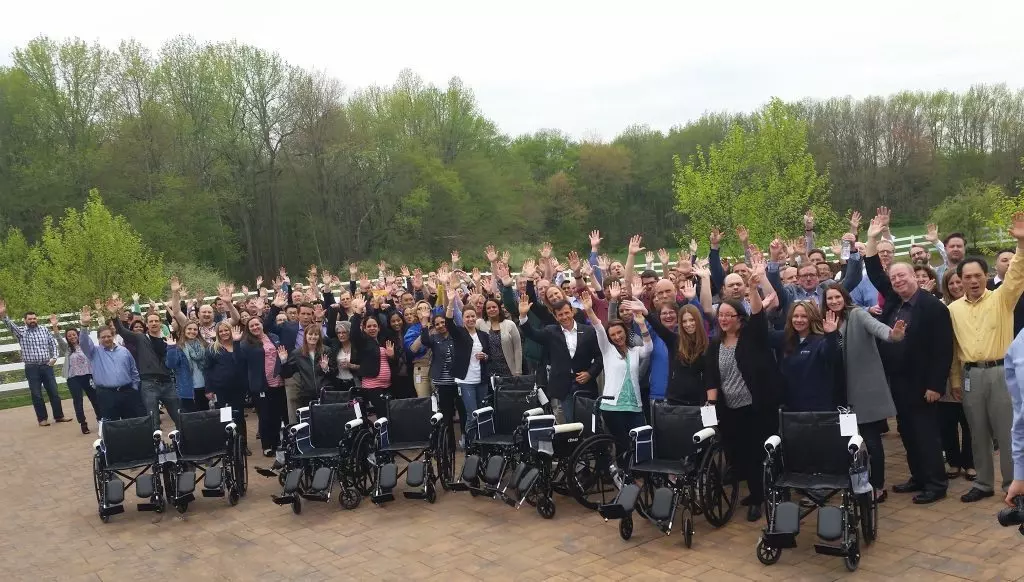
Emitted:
<point x="433" y="402"/>
<point x="225" y="414"/>
<point x="708" y="416"/>
<point x="359" y="413"/>
<point x="967" y="380"/>
<point x="848" y="425"/>
<point x="593" y="423"/>
<point x="419" y="379"/>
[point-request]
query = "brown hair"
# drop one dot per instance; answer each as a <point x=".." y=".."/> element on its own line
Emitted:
<point x="691" y="346"/>
<point x="814" y="323"/>
<point x="320" y="337"/>
<point x="847" y="299"/>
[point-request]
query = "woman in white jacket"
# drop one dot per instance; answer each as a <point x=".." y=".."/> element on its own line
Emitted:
<point x="622" y="412"/>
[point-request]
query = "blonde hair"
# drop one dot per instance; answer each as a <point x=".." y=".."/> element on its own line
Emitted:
<point x="217" y="346"/>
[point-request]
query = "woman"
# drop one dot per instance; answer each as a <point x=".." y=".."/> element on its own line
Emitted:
<point x="624" y="411"/>
<point x="137" y="326"/>
<point x="442" y="362"/>
<point x="309" y="362"/>
<point x="345" y="368"/>
<point x="927" y="280"/>
<point x="401" y="379"/>
<point x="225" y="374"/>
<point x="810" y="359"/>
<point x="505" y="356"/>
<point x="186" y="357"/>
<point x="741" y="368"/>
<point x="376" y="360"/>
<point x="469" y="363"/>
<point x="955" y="443"/>
<point x="261" y="354"/>
<point x="77" y="371"/>
<point x="867" y="390"/>
<point x="687" y="347"/>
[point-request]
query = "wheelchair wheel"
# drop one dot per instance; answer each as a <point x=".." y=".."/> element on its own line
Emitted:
<point x="362" y="471"/>
<point x="181" y="506"/>
<point x="767" y="554"/>
<point x="240" y="465"/>
<point x="445" y="460"/>
<point x="98" y="483"/>
<point x="233" y="497"/>
<point x="296" y="505"/>
<point x="719" y="488"/>
<point x="589" y="477"/>
<point x="626" y="527"/>
<point x="688" y="531"/>
<point x="431" y="493"/>
<point x="546" y="507"/>
<point x="350" y="497"/>
<point x="852" y="558"/>
<point x="867" y="512"/>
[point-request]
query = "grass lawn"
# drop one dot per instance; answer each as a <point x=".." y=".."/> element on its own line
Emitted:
<point x="16" y="398"/>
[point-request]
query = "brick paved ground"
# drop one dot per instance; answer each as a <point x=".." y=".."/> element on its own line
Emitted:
<point x="49" y="530"/>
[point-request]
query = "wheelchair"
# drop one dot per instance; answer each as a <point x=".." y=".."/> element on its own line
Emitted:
<point x="208" y="448"/>
<point x="131" y="450"/>
<point x="680" y="464"/>
<point x="810" y="455"/>
<point x="494" y="449"/>
<point x="589" y="468"/>
<point x="411" y="424"/>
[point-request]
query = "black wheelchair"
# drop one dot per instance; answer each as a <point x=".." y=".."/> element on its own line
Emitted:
<point x="810" y="456"/>
<point x="329" y="444"/>
<point x="208" y="448"/>
<point x="589" y="467"/>
<point x="411" y="424"/>
<point x="131" y="450"/>
<point x="679" y="464"/>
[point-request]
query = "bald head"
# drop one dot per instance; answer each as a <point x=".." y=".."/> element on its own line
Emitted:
<point x="734" y="287"/>
<point x="903" y="280"/>
<point x="664" y="292"/>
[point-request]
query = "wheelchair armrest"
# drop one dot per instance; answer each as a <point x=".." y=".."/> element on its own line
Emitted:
<point x="542" y="397"/>
<point x="174" y="435"/>
<point x="436" y="419"/>
<point x="856" y="444"/>
<point x="480" y="411"/>
<point x="771" y="443"/>
<point x="295" y="428"/>
<point x="703" y="435"/>
<point x="158" y="435"/>
<point x="533" y="412"/>
<point x="304" y="409"/>
<point x="353" y="424"/>
<point x="230" y="427"/>
<point x="382" y="421"/>
<point x="97" y="445"/>
<point x="569" y="427"/>
<point x="634" y="433"/>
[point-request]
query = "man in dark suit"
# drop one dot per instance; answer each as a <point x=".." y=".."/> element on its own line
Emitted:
<point x="573" y="355"/>
<point x="917" y="368"/>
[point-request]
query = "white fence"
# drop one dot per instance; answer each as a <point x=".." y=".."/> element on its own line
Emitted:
<point x="8" y="343"/>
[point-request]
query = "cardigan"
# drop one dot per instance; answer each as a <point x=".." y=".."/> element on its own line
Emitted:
<point x="511" y="343"/>
<point x="867" y="389"/>
<point x="756" y="361"/>
<point x="253" y="357"/>
<point x="615" y="366"/>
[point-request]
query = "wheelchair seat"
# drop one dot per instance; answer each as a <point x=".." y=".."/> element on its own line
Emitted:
<point x="326" y="430"/>
<point x="805" y="481"/>
<point x="502" y="440"/>
<point x="127" y="443"/>
<point x="662" y="466"/>
<point x="814" y="453"/>
<point x="201" y="436"/>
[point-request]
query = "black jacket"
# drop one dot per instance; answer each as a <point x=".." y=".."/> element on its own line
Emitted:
<point x="252" y="356"/>
<point x="367" y="349"/>
<point x="311" y="376"/>
<point x="756" y="361"/>
<point x="464" y="350"/>
<point x="562" y="379"/>
<point x="685" y="381"/>
<point x="226" y="373"/>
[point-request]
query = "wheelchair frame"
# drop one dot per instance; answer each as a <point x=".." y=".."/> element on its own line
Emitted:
<point x="222" y="472"/>
<point x="105" y="474"/>
<point x="419" y="470"/>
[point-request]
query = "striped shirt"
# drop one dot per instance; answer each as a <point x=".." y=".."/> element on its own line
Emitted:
<point x="37" y="344"/>
<point x="383" y="379"/>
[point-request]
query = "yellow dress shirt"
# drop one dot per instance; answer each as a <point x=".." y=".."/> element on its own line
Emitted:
<point x="983" y="329"/>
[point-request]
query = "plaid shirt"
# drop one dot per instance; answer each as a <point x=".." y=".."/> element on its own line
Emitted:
<point x="37" y="345"/>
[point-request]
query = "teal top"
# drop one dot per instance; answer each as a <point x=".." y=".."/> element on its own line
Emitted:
<point x="627" y="400"/>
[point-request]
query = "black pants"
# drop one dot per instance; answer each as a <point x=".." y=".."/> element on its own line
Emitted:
<point x="919" y="430"/>
<point x="375" y="398"/>
<point x="402" y="387"/>
<point x="956" y="444"/>
<point x="79" y="386"/>
<point x="872" y="433"/>
<point x="118" y="403"/>
<point x="744" y="431"/>
<point x="447" y="402"/>
<point x="273" y="410"/>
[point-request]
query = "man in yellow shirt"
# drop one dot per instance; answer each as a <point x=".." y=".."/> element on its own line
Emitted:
<point x="983" y="330"/>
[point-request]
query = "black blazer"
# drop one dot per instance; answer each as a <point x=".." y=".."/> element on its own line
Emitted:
<point x="289" y="330"/>
<point x="685" y="381"/>
<point x="464" y="350"/>
<point x="367" y="349"/>
<point x="562" y="378"/>
<point x="252" y="355"/>
<point x="927" y="350"/>
<point x="756" y="361"/>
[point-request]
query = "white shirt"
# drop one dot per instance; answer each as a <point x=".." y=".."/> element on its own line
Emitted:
<point x="473" y="373"/>
<point x="570" y="339"/>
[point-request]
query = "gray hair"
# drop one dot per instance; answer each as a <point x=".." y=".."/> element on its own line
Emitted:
<point x="343" y="325"/>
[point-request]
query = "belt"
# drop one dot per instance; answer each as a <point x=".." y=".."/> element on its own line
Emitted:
<point x="983" y="365"/>
<point x="124" y="388"/>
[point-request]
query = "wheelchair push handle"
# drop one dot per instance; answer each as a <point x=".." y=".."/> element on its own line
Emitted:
<point x="1013" y="515"/>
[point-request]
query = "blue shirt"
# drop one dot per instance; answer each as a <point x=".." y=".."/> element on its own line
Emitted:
<point x="658" y="367"/>
<point x="1014" y="368"/>
<point x="864" y="294"/>
<point x="111" y="368"/>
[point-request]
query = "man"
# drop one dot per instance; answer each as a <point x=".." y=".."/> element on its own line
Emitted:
<point x="151" y="354"/>
<point x="39" y="354"/>
<point x="983" y="324"/>
<point x="574" y="356"/>
<point x="917" y="368"/>
<point x="114" y="373"/>
<point x="919" y="256"/>
<point x="955" y="246"/>
<point x="1015" y="386"/>
<point x="810" y="286"/>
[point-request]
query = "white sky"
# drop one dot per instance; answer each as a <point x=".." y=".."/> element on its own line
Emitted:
<point x="589" y="68"/>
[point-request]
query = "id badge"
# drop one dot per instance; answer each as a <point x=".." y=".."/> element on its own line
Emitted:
<point x="967" y="380"/>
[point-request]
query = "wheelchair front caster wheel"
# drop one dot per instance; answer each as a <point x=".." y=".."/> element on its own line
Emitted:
<point x="431" y="494"/>
<point x="767" y="554"/>
<point x="233" y="497"/>
<point x="181" y="506"/>
<point x="688" y="532"/>
<point x="104" y="518"/>
<point x="546" y="507"/>
<point x="350" y="498"/>
<point x="160" y="505"/>
<point x="626" y="527"/>
<point x="852" y="559"/>
<point x="297" y="505"/>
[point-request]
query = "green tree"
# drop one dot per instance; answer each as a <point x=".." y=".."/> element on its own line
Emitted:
<point x="980" y="211"/>
<point x="763" y="178"/>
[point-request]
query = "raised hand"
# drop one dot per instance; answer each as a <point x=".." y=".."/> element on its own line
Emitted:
<point x="236" y="333"/>
<point x="364" y="282"/>
<point x="875" y="310"/>
<point x="53" y="320"/>
<point x="169" y="340"/>
<point x="282" y="352"/>
<point x="529" y="268"/>
<point x="353" y="270"/>
<point x="876" y="227"/>
<point x="491" y="254"/>
<point x="693" y="246"/>
<point x="545" y="250"/>
<point x="3" y="308"/>
<point x="800" y="246"/>
<point x="649" y="257"/>
<point x="175" y="285"/>
<point x="326" y="277"/>
<point x="636" y="287"/>
<point x="524" y="305"/>
<point x="574" y="261"/>
<point x="636" y="244"/>
<point x="604" y="262"/>
<point x="506" y="257"/>
<point x="932" y="235"/>
<point x="1017" y="226"/>
<point x="831" y="322"/>
<point x="283" y="274"/>
<point x="837" y="248"/>
<point x="614" y="291"/>
<point x="587" y="300"/>
<point x="325" y="363"/>
<point x="715" y="237"/>
<point x="663" y="257"/>
<point x="884" y="215"/>
<point x="809" y="220"/>
<point x="86" y="316"/>
<point x="595" y="240"/>
<point x="502" y="273"/>
<point x="756" y="272"/>
<point x="899" y="331"/>
<point x="769" y="301"/>
<point x="743" y="234"/>
<point x="689" y="290"/>
<point x="358" y="305"/>
<point x="476" y="275"/>
<point x="259" y="281"/>
<point x="855" y="221"/>
<point x="586" y="269"/>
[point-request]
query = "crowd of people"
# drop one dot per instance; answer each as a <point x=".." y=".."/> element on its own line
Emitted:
<point x="786" y="328"/>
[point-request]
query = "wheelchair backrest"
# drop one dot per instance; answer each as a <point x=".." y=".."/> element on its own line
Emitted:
<point x="335" y="396"/>
<point x="409" y="419"/>
<point x="327" y="423"/>
<point x="201" y="432"/>
<point x="509" y="406"/>
<point x="674" y="426"/>
<point x="812" y="443"/>
<point x="527" y="382"/>
<point x="583" y="411"/>
<point x="129" y="439"/>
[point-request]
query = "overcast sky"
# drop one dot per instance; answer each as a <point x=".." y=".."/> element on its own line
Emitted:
<point x="589" y="68"/>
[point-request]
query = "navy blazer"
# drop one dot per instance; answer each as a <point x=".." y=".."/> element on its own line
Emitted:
<point x="464" y="350"/>
<point x="252" y="355"/>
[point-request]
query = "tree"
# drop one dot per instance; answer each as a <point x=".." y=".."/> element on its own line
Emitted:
<point x="976" y="211"/>
<point x="763" y="178"/>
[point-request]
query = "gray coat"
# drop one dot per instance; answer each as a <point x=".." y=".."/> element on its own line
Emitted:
<point x="867" y="390"/>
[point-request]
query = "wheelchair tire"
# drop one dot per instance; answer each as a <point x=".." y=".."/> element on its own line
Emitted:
<point x="431" y="493"/>
<point x="350" y="498"/>
<point x="719" y="489"/>
<point x="363" y="474"/>
<point x="867" y="511"/>
<point x="588" y="475"/>
<point x="626" y="527"/>
<point x="688" y="532"/>
<point x="445" y="460"/>
<point x="852" y="560"/>
<point x="97" y="481"/>
<point x="181" y="506"/>
<point x="546" y="507"/>
<point x="297" y="505"/>
<point x="766" y="554"/>
<point x="233" y="497"/>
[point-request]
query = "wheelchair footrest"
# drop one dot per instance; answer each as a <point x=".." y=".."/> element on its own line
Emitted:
<point x="526" y="482"/>
<point x="830" y="550"/>
<point x="493" y="469"/>
<point x="830" y="523"/>
<point x="321" y="479"/>
<point x="787" y="518"/>
<point x="663" y="503"/>
<point x="186" y="498"/>
<point x="145" y="485"/>
<point x="415" y="473"/>
<point x="414" y="494"/>
<point x="623" y="504"/>
<point x="457" y="486"/>
<point x="320" y="497"/>
<point x="291" y="481"/>
<point x="283" y="499"/>
<point x="186" y="483"/>
<point x="517" y="475"/>
<point x="213" y="493"/>
<point x="470" y="468"/>
<point x="781" y="541"/>
<point x="147" y="507"/>
<point x="114" y="491"/>
<point x="388" y="477"/>
<point x="382" y="498"/>
<point x="214" y="478"/>
<point x="266" y="472"/>
<point x="112" y="510"/>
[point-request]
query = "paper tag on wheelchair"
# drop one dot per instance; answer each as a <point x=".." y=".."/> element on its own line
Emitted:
<point x="355" y="406"/>
<point x="419" y="379"/>
<point x="225" y="414"/>
<point x="433" y="402"/>
<point x="848" y="425"/>
<point x="593" y="424"/>
<point x="708" y="416"/>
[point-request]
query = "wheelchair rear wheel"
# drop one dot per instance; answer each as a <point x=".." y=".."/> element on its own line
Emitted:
<point x="445" y="460"/>
<point x="99" y="483"/>
<point x="867" y="514"/>
<point x="688" y="531"/>
<point x="852" y="558"/>
<point x="590" y="480"/>
<point x="767" y="554"/>
<point x="719" y="488"/>
<point x="362" y="471"/>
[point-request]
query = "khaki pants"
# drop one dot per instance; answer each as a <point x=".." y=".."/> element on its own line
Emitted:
<point x="421" y="378"/>
<point x="990" y="415"/>
<point x="291" y="394"/>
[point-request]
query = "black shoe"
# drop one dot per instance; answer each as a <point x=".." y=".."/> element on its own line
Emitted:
<point x="754" y="512"/>
<point x="882" y="496"/>
<point x="975" y="494"/>
<point x="926" y="497"/>
<point x="85" y="428"/>
<point x="908" y="487"/>
<point x="745" y="502"/>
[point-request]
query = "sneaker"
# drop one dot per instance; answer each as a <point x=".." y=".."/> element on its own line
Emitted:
<point x="62" y="419"/>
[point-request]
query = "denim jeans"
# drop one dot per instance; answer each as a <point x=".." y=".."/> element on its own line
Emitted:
<point x="41" y="376"/>
<point x="80" y="386"/>
<point x="472" y="396"/>
<point x="156" y="391"/>
<point x="115" y="404"/>
<point x="619" y="423"/>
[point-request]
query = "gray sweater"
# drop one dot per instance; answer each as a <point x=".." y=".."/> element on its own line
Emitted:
<point x="867" y="390"/>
